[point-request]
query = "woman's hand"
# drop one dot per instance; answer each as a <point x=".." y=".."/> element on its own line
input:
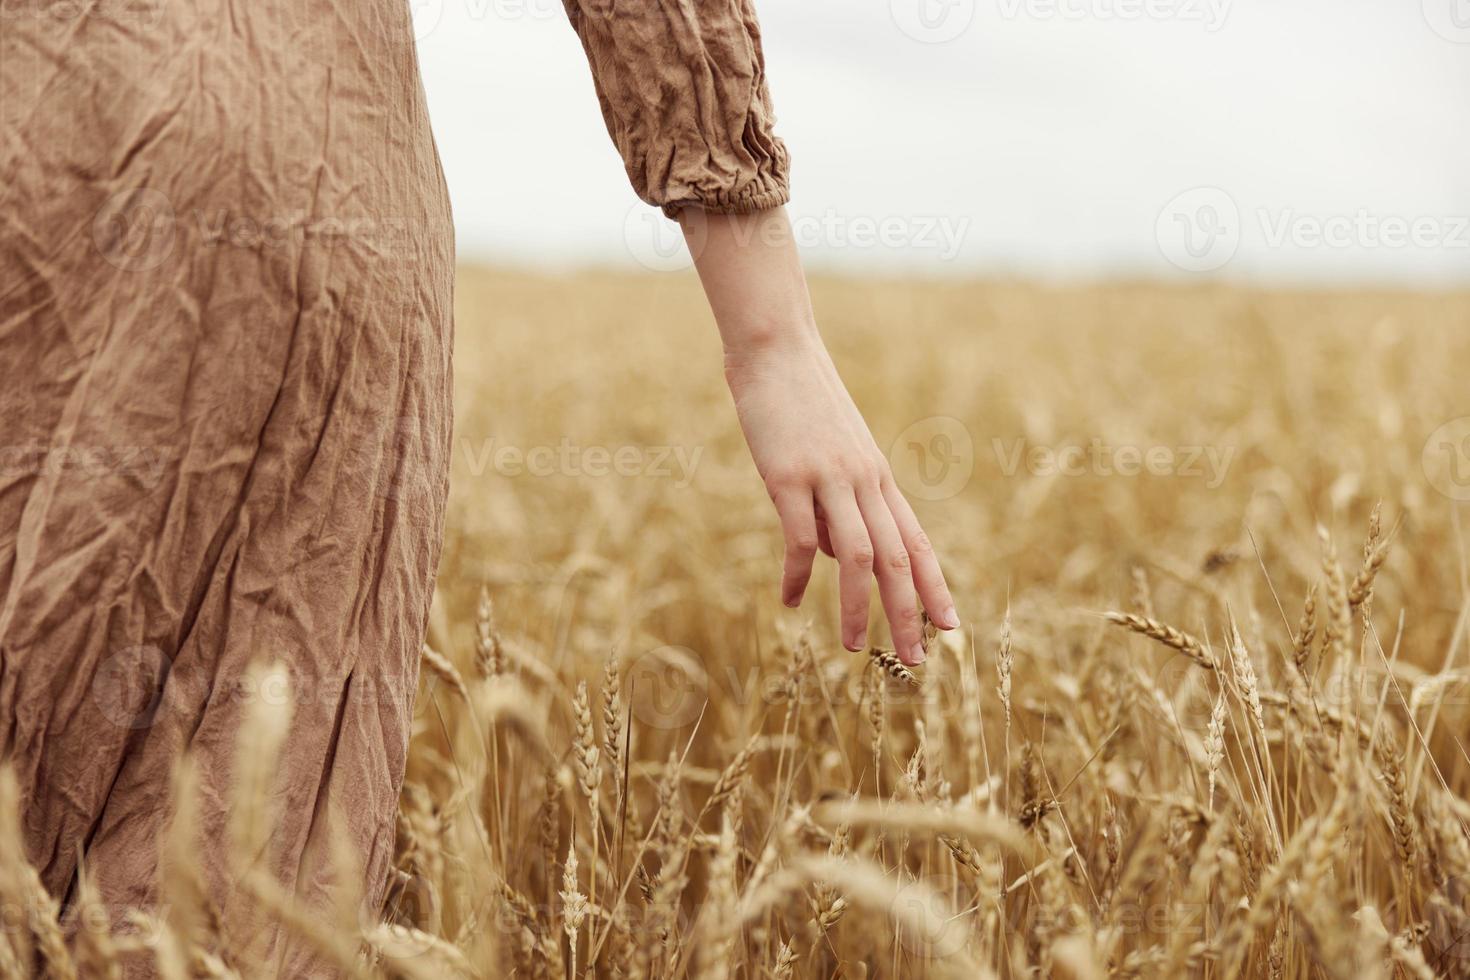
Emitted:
<point x="831" y="485"/>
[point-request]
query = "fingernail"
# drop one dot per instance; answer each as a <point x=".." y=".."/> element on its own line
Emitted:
<point x="860" y="642"/>
<point x="949" y="619"/>
<point x="916" y="655"/>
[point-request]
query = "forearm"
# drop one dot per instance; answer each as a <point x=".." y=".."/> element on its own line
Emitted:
<point x="752" y="275"/>
<point x="830" y="483"/>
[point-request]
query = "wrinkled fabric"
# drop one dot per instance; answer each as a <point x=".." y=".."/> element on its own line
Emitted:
<point x="226" y="268"/>
<point x="682" y="86"/>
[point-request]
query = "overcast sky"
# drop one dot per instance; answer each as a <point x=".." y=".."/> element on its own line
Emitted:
<point x="1275" y="140"/>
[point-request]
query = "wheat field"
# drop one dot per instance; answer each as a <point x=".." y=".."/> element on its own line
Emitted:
<point x="1206" y="716"/>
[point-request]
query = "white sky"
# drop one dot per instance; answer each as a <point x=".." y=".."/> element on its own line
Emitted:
<point x="1048" y="139"/>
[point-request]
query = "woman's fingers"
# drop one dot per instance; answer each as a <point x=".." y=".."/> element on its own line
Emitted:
<point x="872" y="533"/>
<point x="892" y="568"/>
<point x="799" y="524"/>
<point x="928" y="578"/>
<point x="824" y="537"/>
<point x="854" y="552"/>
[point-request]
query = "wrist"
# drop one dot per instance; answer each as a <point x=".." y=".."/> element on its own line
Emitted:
<point x="794" y="333"/>
<point x="776" y="356"/>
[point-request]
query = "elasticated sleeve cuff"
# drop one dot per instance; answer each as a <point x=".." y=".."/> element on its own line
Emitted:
<point x="682" y="88"/>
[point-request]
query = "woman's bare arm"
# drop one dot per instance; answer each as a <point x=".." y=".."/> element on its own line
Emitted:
<point x="831" y="484"/>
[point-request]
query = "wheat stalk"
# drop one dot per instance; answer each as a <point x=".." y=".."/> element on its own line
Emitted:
<point x="1163" y="633"/>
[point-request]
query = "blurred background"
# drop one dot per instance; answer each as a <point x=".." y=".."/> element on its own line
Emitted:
<point x="1289" y="142"/>
<point x="1123" y="288"/>
<point x="1155" y="306"/>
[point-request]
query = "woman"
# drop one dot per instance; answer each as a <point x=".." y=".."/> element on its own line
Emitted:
<point x="225" y="316"/>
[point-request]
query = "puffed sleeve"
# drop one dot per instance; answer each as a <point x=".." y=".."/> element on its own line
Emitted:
<point x="682" y="86"/>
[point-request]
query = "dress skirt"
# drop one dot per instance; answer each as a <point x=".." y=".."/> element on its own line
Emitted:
<point x="226" y="274"/>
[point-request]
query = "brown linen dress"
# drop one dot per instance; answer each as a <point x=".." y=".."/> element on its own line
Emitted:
<point x="226" y="275"/>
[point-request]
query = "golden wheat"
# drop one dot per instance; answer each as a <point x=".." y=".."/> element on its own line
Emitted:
<point x="745" y="799"/>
